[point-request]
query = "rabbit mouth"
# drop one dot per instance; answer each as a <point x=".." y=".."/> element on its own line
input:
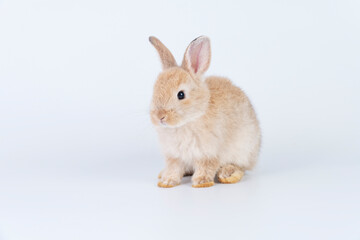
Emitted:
<point x="172" y="125"/>
<point x="162" y="122"/>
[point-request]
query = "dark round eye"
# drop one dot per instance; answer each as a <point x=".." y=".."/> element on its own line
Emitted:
<point x="181" y="95"/>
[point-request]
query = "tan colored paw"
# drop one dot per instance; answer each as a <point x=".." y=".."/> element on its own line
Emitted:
<point x="162" y="185"/>
<point x="202" y="181"/>
<point x="234" y="178"/>
<point x="167" y="183"/>
<point x="203" y="185"/>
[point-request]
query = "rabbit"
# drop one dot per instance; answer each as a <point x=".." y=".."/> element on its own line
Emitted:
<point x="207" y="127"/>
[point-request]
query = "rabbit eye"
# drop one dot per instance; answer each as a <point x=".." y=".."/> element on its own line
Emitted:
<point x="181" y="95"/>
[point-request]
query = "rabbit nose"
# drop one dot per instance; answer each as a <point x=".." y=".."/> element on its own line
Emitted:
<point x="161" y="114"/>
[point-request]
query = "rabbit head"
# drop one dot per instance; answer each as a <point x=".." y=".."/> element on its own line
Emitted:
<point x="180" y="96"/>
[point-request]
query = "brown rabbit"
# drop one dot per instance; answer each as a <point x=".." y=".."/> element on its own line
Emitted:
<point x="206" y="126"/>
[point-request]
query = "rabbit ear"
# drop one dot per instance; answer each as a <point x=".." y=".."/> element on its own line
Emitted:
<point x="197" y="56"/>
<point x="167" y="59"/>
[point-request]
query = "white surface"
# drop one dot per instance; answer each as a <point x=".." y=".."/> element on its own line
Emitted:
<point x="78" y="155"/>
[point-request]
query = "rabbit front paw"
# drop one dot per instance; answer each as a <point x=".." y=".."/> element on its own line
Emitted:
<point x="202" y="181"/>
<point x="168" y="182"/>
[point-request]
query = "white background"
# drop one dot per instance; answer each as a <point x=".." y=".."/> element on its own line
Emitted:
<point x="79" y="158"/>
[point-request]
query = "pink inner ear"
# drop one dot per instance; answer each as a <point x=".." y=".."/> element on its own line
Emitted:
<point x="195" y="52"/>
